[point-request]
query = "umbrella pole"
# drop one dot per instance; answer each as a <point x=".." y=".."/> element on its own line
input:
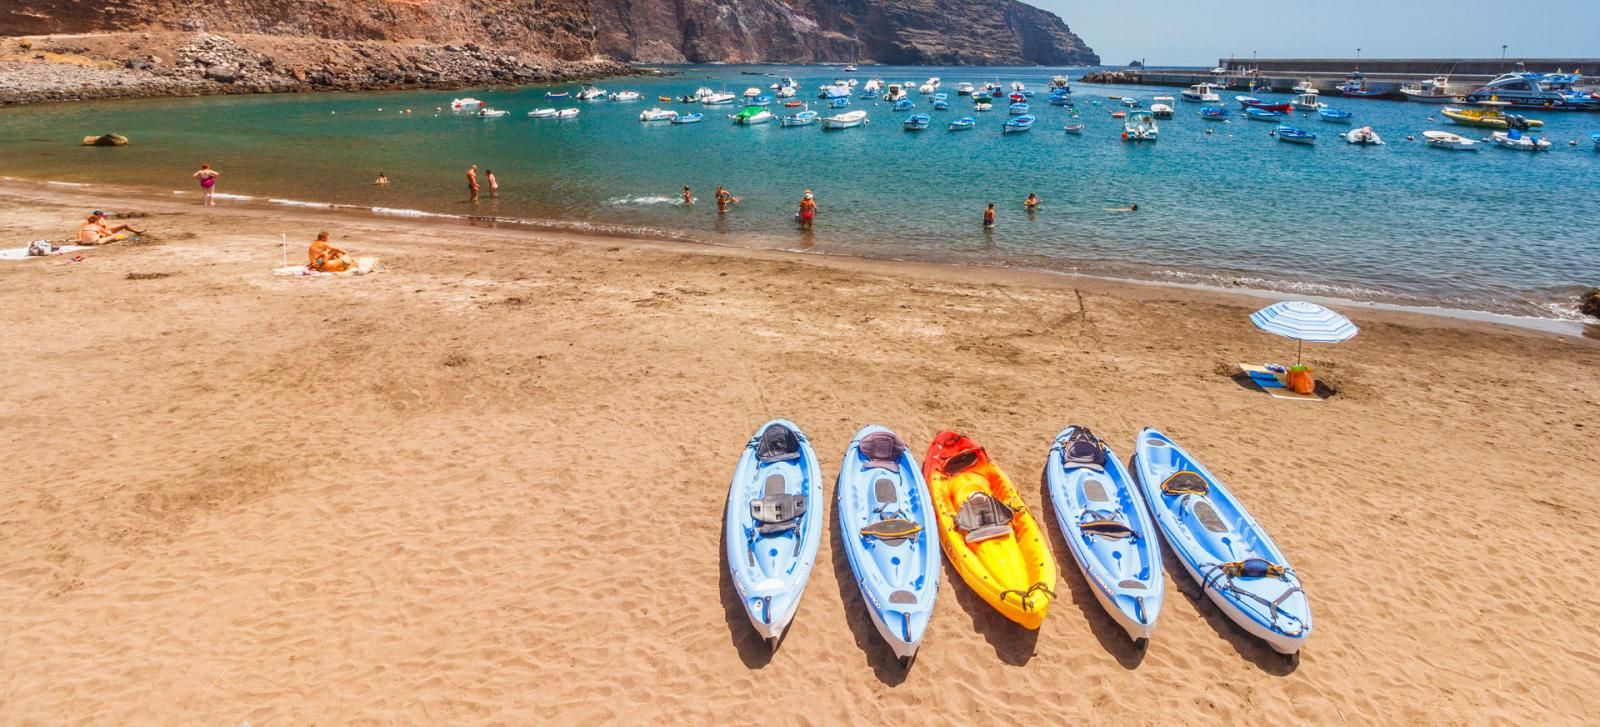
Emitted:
<point x="1299" y="346"/>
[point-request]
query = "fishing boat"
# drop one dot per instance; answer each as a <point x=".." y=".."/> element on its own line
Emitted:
<point x="1119" y="114"/>
<point x="1017" y="123"/>
<point x="1073" y="127"/>
<point x="693" y="118"/>
<point x="981" y="105"/>
<point x="556" y="94"/>
<point x="846" y="120"/>
<point x="752" y="92"/>
<point x="1334" y="116"/>
<point x="625" y="96"/>
<point x="1356" y="85"/>
<point x="1432" y="90"/>
<point x="963" y="124"/>
<point x="1019" y="87"/>
<point x="489" y="113"/>
<point x="894" y="93"/>
<point x="1130" y="102"/>
<point x="762" y="100"/>
<point x="1363" y="136"/>
<point x="590" y="93"/>
<point x="1255" y="114"/>
<point x="567" y="113"/>
<point x="542" y="114"/>
<point x="1017" y="108"/>
<point x="465" y="103"/>
<point x="963" y="89"/>
<point x="1161" y="110"/>
<point x="751" y="115"/>
<point x="702" y="93"/>
<point x="719" y="99"/>
<point x="1595" y="137"/>
<point x="1310" y="101"/>
<point x="903" y="104"/>
<point x="1140" y="126"/>
<point x="834" y="91"/>
<point x="1552" y="91"/>
<point x="1058" y="82"/>
<point x="916" y="122"/>
<point x="1201" y="93"/>
<point x="657" y="114"/>
<point x="1514" y="139"/>
<point x="1292" y="135"/>
<point x="850" y="68"/>
<point x="785" y="92"/>
<point x="1447" y="140"/>
<point x="1213" y="113"/>
<point x="1060" y="99"/>
<point x="928" y="87"/>
<point x="1489" y="115"/>
<point x="804" y="118"/>
<point x="1306" y="86"/>
<point x="839" y="103"/>
<point x="1253" y="102"/>
<point x="941" y="105"/>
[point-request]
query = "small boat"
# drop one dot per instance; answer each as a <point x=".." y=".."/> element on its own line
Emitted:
<point x="792" y="104"/>
<point x="1310" y="101"/>
<point x="663" y="98"/>
<point x="1447" y="140"/>
<point x="1130" y="102"/>
<point x="1514" y="139"/>
<point x="1119" y="114"/>
<point x="846" y="120"/>
<point x="1433" y="90"/>
<point x="1489" y="115"/>
<point x="1017" y="98"/>
<point x="1140" y="126"/>
<point x="1201" y="93"/>
<point x="786" y="92"/>
<point x="1306" y="86"/>
<point x="1161" y="110"/>
<point x="625" y="96"/>
<point x="941" y="105"/>
<point x="752" y="92"/>
<point x="916" y="122"/>
<point x="751" y="115"/>
<point x="1334" y="116"/>
<point x="1251" y="102"/>
<point x="894" y="93"/>
<point x="556" y="94"/>
<point x="1363" y="136"/>
<point x="804" y="118"/>
<point x="1537" y="91"/>
<point x="837" y="90"/>
<point x="1595" y="137"/>
<point x="1221" y="546"/>
<point x="869" y="95"/>
<point x="963" y="124"/>
<point x="566" y="113"/>
<point x="762" y="100"/>
<point x="1255" y="114"/>
<point x="1102" y="517"/>
<point x="693" y="118"/>
<point x="1018" y="108"/>
<point x="941" y="97"/>
<point x="657" y="114"/>
<point x="903" y="104"/>
<point x="688" y="98"/>
<point x="465" y="103"/>
<point x="1017" y="123"/>
<point x="488" y="113"/>
<point x="850" y="68"/>
<point x="1074" y="127"/>
<point x="841" y="102"/>
<point x="1295" y="136"/>
<point x="719" y="99"/>
<point x="542" y="114"/>
<point x="1060" y="99"/>
<point x="1356" y="85"/>
<point x="982" y="105"/>
<point x="590" y="93"/>
<point x="1213" y="113"/>
<point x="1058" y="82"/>
<point x="873" y="84"/>
<point x="928" y="87"/>
<point x="963" y="89"/>
<point x="1019" y="87"/>
<point x="702" y="93"/>
<point x="1168" y="100"/>
<point x="773" y="525"/>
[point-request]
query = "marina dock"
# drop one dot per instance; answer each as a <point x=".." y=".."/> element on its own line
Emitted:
<point x="1283" y="74"/>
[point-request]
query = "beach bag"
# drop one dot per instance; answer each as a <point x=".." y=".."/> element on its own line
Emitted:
<point x="40" y="248"/>
<point x="1300" y="381"/>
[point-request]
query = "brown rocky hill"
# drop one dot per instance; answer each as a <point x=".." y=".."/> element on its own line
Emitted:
<point x="655" y="31"/>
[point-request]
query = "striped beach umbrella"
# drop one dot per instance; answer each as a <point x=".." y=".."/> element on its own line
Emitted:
<point x="1303" y="322"/>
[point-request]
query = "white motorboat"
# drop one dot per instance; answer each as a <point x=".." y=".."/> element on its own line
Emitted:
<point x="787" y="92"/>
<point x="1059" y="82"/>
<point x="566" y="113"/>
<point x="1433" y="90"/>
<point x="465" y="103"/>
<point x="1519" y="141"/>
<point x="1019" y="87"/>
<point x="1201" y="92"/>
<point x="752" y="92"/>
<point x="894" y="92"/>
<point x="1447" y="140"/>
<point x="1140" y="126"/>
<point x="702" y="93"/>
<point x="718" y="99"/>
<point x="874" y="85"/>
<point x="963" y="89"/>
<point x="930" y="86"/>
<point x="1308" y="101"/>
<point x="850" y="68"/>
<point x="625" y="96"/>
<point x="542" y="114"/>
<point x="489" y="113"/>
<point x="590" y="93"/>
<point x="846" y="120"/>
<point x="1364" y="136"/>
<point x="1306" y="86"/>
<point x="1161" y="111"/>
<point x="982" y="105"/>
<point x="658" y="114"/>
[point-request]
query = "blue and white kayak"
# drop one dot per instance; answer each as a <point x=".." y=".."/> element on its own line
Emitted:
<point x="1292" y="135"/>
<point x="1256" y="114"/>
<point x="1017" y="123"/>
<point x="886" y="521"/>
<point x="1221" y="546"/>
<point x="688" y="118"/>
<point x="963" y="123"/>
<point x="1107" y="528"/>
<point x="916" y="122"/>
<point x="774" y="524"/>
<point x="1334" y="115"/>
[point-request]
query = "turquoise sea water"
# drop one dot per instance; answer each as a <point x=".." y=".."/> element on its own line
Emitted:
<point x="1494" y="230"/>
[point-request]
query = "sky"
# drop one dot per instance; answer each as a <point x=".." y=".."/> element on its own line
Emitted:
<point x="1197" y="33"/>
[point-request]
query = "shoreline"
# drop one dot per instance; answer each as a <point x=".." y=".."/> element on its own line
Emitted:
<point x="18" y="186"/>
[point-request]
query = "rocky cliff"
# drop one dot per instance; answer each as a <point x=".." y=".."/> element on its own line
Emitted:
<point x="655" y="31"/>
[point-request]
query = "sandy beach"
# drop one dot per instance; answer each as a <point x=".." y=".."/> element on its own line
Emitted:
<point x="485" y="486"/>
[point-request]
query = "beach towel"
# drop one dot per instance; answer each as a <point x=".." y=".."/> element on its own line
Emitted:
<point x="21" y="253"/>
<point x="1274" y="383"/>
<point x="364" y="265"/>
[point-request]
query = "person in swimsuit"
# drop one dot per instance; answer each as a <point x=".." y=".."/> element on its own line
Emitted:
<point x="687" y="197"/>
<point x="724" y="198"/>
<point x="808" y="210"/>
<point x="383" y="179"/>
<point x="208" y="184"/>
<point x="95" y="231"/>
<point x="324" y="257"/>
<point x="494" y="184"/>
<point x="988" y="217"/>
<point x="1032" y="202"/>
<point x="472" y="182"/>
<point x="1130" y="208"/>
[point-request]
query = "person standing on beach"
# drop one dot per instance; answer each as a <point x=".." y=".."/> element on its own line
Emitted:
<point x="988" y="218"/>
<point x="808" y="210"/>
<point x="472" y="182"/>
<point x="208" y="184"/>
<point x="494" y="184"/>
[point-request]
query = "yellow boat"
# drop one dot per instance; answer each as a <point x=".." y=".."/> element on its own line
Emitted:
<point x="987" y="532"/>
<point x="1489" y="117"/>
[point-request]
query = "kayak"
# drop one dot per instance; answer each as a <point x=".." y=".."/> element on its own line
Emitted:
<point x="773" y="525"/>
<point x="1221" y="546"/>
<point x="988" y="533"/>
<point x="886" y="522"/>
<point x="1107" y="528"/>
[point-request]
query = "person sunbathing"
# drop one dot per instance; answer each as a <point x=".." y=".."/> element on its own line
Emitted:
<point x="324" y="257"/>
<point x="95" y="231"/>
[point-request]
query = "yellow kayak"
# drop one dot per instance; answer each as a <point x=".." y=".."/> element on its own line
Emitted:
<point x="1489" y="118"/>
<point x="987" y="531"/>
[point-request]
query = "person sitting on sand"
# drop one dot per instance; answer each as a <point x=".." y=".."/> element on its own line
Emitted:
<point x="1032" y="202"/>
<point x="325" y="258"/>
<point x="95" y="231"/>
<point x="1130" y="208"/>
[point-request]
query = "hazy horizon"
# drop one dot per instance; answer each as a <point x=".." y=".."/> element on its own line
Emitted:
<point x="1184" y="33"/>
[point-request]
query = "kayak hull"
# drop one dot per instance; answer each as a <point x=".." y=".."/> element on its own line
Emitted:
<point x="770" y="571"/>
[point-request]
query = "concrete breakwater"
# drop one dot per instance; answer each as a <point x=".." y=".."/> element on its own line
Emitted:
<point x="1326" y="74"/>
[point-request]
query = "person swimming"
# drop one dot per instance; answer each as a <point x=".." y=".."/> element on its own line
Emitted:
<point x="1032" y="202"/>
<point x="383" y="179"/>
<point x="95" y="231"/>
<point x="1130" y="208"/>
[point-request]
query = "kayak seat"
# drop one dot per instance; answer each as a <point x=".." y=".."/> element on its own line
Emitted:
<point x="778" y="444"/>
<point x="1208" y="517"/>
<point x="982" y="517"/>
<point x="1095" y="490"/>
<point x="1084" y="449"/>
<point x="882" y="450"/>
<point x="1185" y="483"/>
<point x="1106" y="528"/>
<point x="892" y="530"/>
<point x="903" y="597"/>
<point x="777" y="512"/>
<point x="961" y="462"/>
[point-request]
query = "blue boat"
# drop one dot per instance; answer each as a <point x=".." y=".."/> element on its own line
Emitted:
<point x="941" y="105"/>
<point x="773" y="525"/>
<point x="1595" y="137"/>
<point x="687" y="118"/>
<point x="888" y="527"/>
<point x="903" y="105"/>
<point x="869" y="94"/>
<point x="1104" y="521"/>
<point x="1060" y="99"/>
<point x="804" y="118"/>
<point x="1221" y="546"/>
<point x="1357" y="85"/>
<point x="1256" y="114"/>
<point x="967" y="122"/>
<point x="762" y="101"/>
<point x="1213" y="113"/>
<point x="1535" y="91"/>
<point x="839" y="102"/>
<point x="1333" y="115"/>
<point x="1292" y="135"/>
<point x="916" y="122"/>
<point x="1019" y="108"/>
<point x="1017" y="123"/>
<point x="941" y="97"/>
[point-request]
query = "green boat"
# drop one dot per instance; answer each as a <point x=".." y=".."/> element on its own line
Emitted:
<point x="752" y="115"/>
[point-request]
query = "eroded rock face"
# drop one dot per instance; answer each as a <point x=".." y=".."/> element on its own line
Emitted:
<point x="1590" y="303"/>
